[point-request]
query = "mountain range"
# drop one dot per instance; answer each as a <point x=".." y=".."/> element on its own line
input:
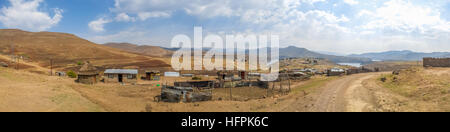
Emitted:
<point x="404" y="55"/>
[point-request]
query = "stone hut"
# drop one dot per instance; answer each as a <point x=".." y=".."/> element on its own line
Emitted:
<point x="88" y="74"/>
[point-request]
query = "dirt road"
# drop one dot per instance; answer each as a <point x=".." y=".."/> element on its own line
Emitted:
<point x="346" y="94"/>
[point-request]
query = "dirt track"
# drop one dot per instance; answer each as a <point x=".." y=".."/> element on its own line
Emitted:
<point x="347" y="94"/>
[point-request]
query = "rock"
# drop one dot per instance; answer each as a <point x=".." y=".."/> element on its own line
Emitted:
<point x="3" y="64"/>
<point x="396" y="72"/>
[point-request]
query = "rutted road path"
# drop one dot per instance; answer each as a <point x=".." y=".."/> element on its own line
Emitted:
<point x="346" y="94"/>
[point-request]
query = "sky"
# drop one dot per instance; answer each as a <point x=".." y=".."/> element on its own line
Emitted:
<point x="339" y="26"/>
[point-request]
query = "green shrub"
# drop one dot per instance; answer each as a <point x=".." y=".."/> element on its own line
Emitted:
<point x="72" y="74"/>
<point x="80" y="63"/>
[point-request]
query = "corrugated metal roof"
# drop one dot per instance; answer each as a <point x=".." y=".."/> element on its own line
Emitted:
<point x="171" y="74"/>
<point x="121" y="71"/>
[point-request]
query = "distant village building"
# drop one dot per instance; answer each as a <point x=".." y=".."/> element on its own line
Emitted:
<point x="88" y="74"/>
<point x="3" y="64"/>
<point x="152" y="75"/>
<point x="436" y="62"/>
<point x="187" y="75"/>
<point x="121" y="76"/>
<point x="183" y="94"/>
<point x="172" y="74"/>
<point x="61" y="74"/>
<point x="335" y="72"/>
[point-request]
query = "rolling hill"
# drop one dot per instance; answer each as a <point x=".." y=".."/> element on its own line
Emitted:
<point x="66" y="50"/>
<point x="293" y="51"/>
<point x="404" y="55"/>
<point x="142" y="49"/>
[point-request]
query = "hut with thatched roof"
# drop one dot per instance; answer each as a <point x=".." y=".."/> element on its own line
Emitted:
<point x="88" y="74"/>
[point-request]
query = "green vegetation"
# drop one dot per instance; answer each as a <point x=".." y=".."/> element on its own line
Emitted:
<point x="80" y="63"/>
<point x="72" y="74"/>
<point x="196" y="78"/>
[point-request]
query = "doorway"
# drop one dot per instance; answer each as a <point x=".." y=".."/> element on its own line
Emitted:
<point x="120" y="78"/>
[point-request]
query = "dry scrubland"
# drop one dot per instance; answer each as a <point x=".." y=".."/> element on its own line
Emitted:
<point x="419" y="89"/>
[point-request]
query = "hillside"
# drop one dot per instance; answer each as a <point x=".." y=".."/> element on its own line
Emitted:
<point x="405" y="55"/>
<point x="419" y="89"/>
<point x="141" y="49"/>
<point x="293" y="51"/>
<point x="66" y="50"/>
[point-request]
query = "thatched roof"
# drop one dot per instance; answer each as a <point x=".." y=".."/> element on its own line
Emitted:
<point x="88" y="69"/>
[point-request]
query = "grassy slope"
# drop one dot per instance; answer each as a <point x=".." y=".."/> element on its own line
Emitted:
<point x="64" y="49"/>
<point x="428" y="85"/>
<point x="24" y="91"/>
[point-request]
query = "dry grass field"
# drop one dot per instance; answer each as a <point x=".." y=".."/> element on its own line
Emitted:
<point x="27" y="92"/>
<point x="420" y="89"/>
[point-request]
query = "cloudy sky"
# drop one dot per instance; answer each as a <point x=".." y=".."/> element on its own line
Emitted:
<point x="343" y="26"/>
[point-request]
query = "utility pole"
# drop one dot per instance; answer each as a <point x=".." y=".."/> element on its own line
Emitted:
<point x="12" y="53"/>
<point x="51" y="67"/>
<point x="17" y="64"/>
<point x="231" y="92"/>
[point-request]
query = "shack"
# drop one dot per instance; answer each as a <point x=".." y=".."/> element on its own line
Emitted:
<point x="88" y="74"/>
<point x="183" y="94"/>
<point x="3" y="64"/>
<point x="335" y="72"/>
<point x="196" y="84"/>
<point x="61" y="74"/>
<point x="121" y="76"/>
<point x="152" y="75"/>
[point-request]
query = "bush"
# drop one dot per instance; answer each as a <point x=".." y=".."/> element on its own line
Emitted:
<point x="72" y="74"/>
<point x="80" y="63"/>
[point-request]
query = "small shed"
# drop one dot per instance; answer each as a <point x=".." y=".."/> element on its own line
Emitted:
<point x="335" y="72"/>
<point x="3" y="64"/>
<point x="61" y="74"/>
<point x="172" y="74"/>
<point x="152" y="75"/>
<point x="121" y="76"/>
<point x="88" y="74"/>
<point x="187" y="75"/>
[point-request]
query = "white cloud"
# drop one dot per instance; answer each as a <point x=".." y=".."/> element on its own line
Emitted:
<point x="404" y="16"/>
<point x="98" y="25"/>
<point x="123" y="17"/>
<point x="146" y="15"/>
<point x="351" y="2"/>
<point x="24" y="14"/>
<point x="312" y="2"/>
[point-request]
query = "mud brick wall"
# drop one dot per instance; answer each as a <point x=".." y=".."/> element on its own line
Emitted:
<point x="436" y="62"/>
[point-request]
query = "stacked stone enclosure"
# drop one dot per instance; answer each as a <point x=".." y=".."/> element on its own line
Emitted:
<point x="436" y="62"/>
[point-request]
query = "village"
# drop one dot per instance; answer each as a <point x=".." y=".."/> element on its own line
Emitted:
<point x="162" y="89"/>
<point x="187" y="86"/>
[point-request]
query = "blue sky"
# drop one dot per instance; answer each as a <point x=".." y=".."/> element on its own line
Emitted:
<point x="343" y="26"/>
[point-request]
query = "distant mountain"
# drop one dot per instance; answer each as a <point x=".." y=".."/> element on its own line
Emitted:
<point x="296" y="52"/>
<point x="142" y="49"/>
<point x="331" y="53"/>
<point x="293" y="51"/>
<point x="404" y="55"/>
